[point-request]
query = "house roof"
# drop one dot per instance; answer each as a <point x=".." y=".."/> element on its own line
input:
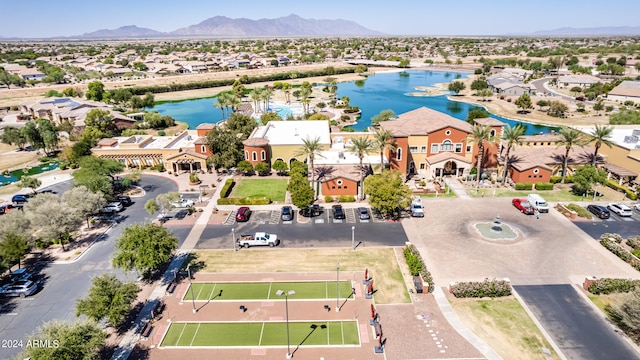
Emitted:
<point x="293" y="132"/>
<point x="627" y="88"/>
<point x="255" y="142"/>
<point x="187" y="153"/>
<point x="329" y="172"/>
<point x="489" y="122"/>
<point x="444" y="156"/>
<point x="423" y="121"/>
<point x="526" y="157"/>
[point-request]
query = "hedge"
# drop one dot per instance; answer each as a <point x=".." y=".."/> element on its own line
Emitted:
<point x="556" y="179"/>
<point x="346" y="198"/>
<point x="611" y="285"/>
<point x="417" y="266"/>
<point x="614" y="185"/>
<point x="620" y="251"/>
<point x="328" y="198"/>
<point x="245" y="201"/>
<point x="226" y="189"/>
<point x="582" y="212"/>
<point x="524" y="186"/>
<point x="544" y="186"/>
<point x="479" y="289"/>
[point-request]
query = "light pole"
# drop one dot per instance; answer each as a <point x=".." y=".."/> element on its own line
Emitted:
<point x="337" y="287"/>
<point x="595" y="192"/>
<point x="353" y="238"/>
<point x="193" y="299"/>
<point x="233" y="235"/>
<point x="286" y="304"/>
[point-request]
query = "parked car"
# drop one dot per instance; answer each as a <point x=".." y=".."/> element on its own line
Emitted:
<point x="416" y="207"/>
<point x="19" y="199"/>
<point x="4" y="208"/>
<point x="47" y="192"/>
<point x="338" y="212"/>
<point x="22" y="288"/>
<point x="637" y="206"/>
<point x="125" y="200"/>
<point x="581" y="98"/>
<point x="19" y="275"/>
<point x="287" y="213"/>
<point x="364" y="213"/>
<point x="523" y="205"/>
<point x="183" y="203"/>
<point x="243" y="214"/>
<point x="538" y="203"/>
<point x="311" y="211"/>
<point x="599" y="211"/>
<point x="112" y="207"/>
<point x="620" y="209"/>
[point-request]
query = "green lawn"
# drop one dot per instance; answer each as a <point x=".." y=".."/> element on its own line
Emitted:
<point x="274" y="188"/>
<point x="441" y="194"/>
<point x="332" y="333"/>
<point x="267" y="290"/>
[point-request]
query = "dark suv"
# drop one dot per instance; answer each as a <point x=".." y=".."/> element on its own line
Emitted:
<point x="338" y="212"/>
<point x="599" y="211"/>
<point x="287" y="213"/>
<point x="19" y="199"/>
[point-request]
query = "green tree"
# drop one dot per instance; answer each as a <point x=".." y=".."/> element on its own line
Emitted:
<point x="30" y="182"/>
<point x="81" y="341"/>
<point x="361" y="146"/>
<point x="32" y="135"/>
<point x="95" y="91"/>
<point x="512" y="136"/>
<point x="480" y="135"/>
<point x="269" y="116"/>
<point x="598" y="106"/>
<point x="477" y="113"/>
<point x="485" y="93"/>
<point x="13" y="247"/>
<point x="50" y="220"/>
<point x="144" y="248"/>
<point x="108" y="298"/>
<point x="310" y="149"/>
<point x="99" y="124"/>
<point x="83" y="202"/>
<point x="387" y="191"/>
<point x="479" y="84"/>
<point x="245" y="166"/>
<point x="97" y="174"/>
<point x="384" y="115"/>
<point x="238" y="89"/>
<point x="148" y="100"/>
<point x="262" y="168"/>
<point x="624" y="117"/>
<point x="627" y="313"/>
<point x="14" y="222"/>
<point x="383" y="140"/>
<point x="600" y="135"/>
<point x="568" y="138"/>
<point x="524" y="102"/>
<point x="585" y="176"/>
<point x="302" y="195"/>
<point x="13" y="136"/>
<point x="542" y="103"/>
<point x="404" y="63"/>
<point x="576" y="90"/>
<point x="557" y="108"/>
<point x="280" y="166"/>
<point x="456" y="86"/>
<point x="72" y="92"/>
<point x="151" y="206"/>
<point x="48" y="135"/>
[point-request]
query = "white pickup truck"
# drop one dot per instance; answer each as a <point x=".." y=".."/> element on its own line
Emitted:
<point x="259" y="239"/>
<point x="416" y="207"/>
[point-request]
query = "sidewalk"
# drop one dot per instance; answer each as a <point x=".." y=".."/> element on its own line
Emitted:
<point x="457" y="188"/>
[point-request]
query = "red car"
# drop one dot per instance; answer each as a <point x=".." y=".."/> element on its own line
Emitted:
<point x="523" y="205"/>
<point x="243" y="214"/>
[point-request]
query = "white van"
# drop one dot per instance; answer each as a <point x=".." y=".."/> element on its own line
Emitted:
<point x="416" y="207"/>
<point x="538" y="203"/>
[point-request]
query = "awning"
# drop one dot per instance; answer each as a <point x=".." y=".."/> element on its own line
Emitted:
<point x="620" y="171"/>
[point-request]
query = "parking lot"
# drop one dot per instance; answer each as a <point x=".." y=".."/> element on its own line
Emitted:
<point x="625" y="226"/>
<point x="274" y="217"/>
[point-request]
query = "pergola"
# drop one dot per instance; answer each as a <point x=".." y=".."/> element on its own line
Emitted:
<point x="623" y="175"/>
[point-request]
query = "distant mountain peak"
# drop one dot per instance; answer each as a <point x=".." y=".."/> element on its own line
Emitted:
<point x="128" y="31"/>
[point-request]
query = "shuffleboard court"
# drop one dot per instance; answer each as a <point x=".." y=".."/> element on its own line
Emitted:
<point x="267" y="290"/>
<point x="309" y="333"/>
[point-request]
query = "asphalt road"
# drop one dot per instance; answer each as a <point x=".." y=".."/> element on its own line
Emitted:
<point x="61" y="284"/>
<point x="625" y="226"/>
<point x="579" y="331"/>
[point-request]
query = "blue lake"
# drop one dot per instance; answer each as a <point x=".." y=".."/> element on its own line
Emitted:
<point x="378" y="92"/>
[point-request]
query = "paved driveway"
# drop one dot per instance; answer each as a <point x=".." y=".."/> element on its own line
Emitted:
<point x="578" y="329"/>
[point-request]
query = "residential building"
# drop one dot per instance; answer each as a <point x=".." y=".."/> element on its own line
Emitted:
<point x="627" y="90"/>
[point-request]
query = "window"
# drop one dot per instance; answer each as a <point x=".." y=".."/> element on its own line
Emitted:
<point x="549" y="143"/>
<point x="149" y="161"/>
<point x="535" y="171"/>
<point x="413" y="149"/>
<point x="468" y="148"/>
<point x="160" y="161"/>
<point x="493" y="132"/>
<point x="254" y="156"/>
<point x="399" y="154"/>
<point x="448" y="132"/>
<point x="339" y="182"/>
<point x="434" y="148"/>
<point x="346" y="187"/>
<point x="423" y="149"/>
<point x="263" y="155"/>
<point x="246" y="155"/>
<point x="423" y="166"/>
<point x="458" y="148"/>
<point x="535" y="143"/>
<point x="447" y="145"/>
<point x="135" y="161"/>
<point x="203" y="148"/>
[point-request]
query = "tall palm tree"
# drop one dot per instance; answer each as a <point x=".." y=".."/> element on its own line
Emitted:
<point x="361" y="146"/>
<point x="267" y="93"/>
<point x="383" y="139"/>
<point x="219" y="104"/>
<point x="512" y="136"/>
<point x="602" y="136"/>
<point x="304" y="94"/>
<point x="569" y="138"/>
<point x="256" y="97"/>
<point x="286" y="87"/>
<point x="223" y="102"/>
<point x="480" y="135"/>
<point x="234" y="102"/>
<point x="311" y="148"/>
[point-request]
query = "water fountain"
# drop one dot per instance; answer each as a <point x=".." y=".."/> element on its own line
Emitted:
<point x="496" y="230"/>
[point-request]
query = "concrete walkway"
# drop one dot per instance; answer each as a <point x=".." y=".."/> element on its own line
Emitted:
<point x="457" y="188"/>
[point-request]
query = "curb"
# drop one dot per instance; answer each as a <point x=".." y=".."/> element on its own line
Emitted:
<point x="100" y="237"/>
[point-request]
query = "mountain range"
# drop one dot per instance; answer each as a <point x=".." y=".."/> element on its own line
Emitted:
<point x="219" y="26"/>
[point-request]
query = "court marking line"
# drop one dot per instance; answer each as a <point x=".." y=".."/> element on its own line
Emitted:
<point x="269" y="291"/>
<point x="199" y="292"/>
<point x="184" y="326"/>
<point x="194" y="335"/>
<point x="261" y="332"/>
<point x="212" y="290"/>
<point x="342" y="330"/>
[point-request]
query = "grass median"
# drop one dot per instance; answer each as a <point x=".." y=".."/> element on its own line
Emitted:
<point x="273" y="188"/>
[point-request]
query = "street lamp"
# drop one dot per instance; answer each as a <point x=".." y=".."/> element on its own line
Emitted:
<point x="286" y="304"/>
<point x="337" y="287"/>
<point x="193" y="299"/>
<point x="353" y="238"/>
<point x="595" y="192"/>
<point x="233" y="234"/>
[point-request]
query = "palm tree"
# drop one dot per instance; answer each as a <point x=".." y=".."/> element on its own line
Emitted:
<point x="234" y="102"/>
<point x="311" y="148"/>
<point x="267" y="93"/>
<point x="479" y="135"/>
<point x="512" y="136"/>
<point x="361" y="146"/>
<point x="304" y="94"/>
<point x="256" y="97"/>
<point x="602" y="136"/>
<point x="383" y="139"/>
<point x="223" y="102"/>
<point x="568" y="138"/>
<point x="286" y="87"/>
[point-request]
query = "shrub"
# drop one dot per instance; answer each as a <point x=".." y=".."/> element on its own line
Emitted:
<point x="161" y="133"/>
<point x="544" y="186"/>
<point x="619" y="251"/>
<point x="193" y="178"/>
<point x="245" y="201"/>
<point x="612" y="285"/>
<point x="412" y="256"/>
<point x="628" y="192"/>
<point x="634" y="243"/>
<point x="582" y="212"/>
<point x="479" y="289"/>
<point x="346" y="198"/>
<point x="328" y="198"/>
<point x="226" y="189"/>
<point x="524" y="186"/>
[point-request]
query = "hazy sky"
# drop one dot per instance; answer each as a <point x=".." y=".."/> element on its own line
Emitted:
<point x="47" y="18"/>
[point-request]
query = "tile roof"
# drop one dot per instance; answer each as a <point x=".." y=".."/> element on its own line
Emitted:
<point x="433" y="159"/>
<point x="423" y="121"/>
<point x="627" y="88"/>
<point x="489" y="122"/>
<point x="329" y="172"/>
<point x="526" y="157"/>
